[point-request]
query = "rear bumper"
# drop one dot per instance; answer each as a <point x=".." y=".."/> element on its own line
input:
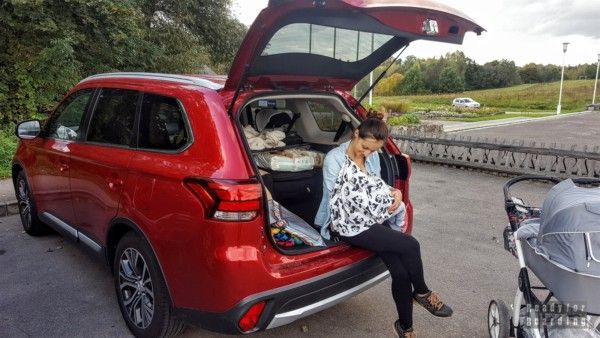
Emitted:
<point x="287" y="304"/>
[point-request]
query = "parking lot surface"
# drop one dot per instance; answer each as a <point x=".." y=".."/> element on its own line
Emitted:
<point x="52" y="288"/>
<point x="577" y="129"/>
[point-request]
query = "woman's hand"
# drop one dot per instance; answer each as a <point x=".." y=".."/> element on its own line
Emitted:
<point x="397" y="195"/>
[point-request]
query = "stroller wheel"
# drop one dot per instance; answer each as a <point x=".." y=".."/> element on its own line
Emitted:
<point x="498" y="319"/>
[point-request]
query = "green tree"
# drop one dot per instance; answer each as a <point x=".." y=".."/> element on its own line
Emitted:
<point x="530" y="73"/>
<point x="50" y="45"/>
<point x="209" y="21"/>
<point x="389" y="86"/>
<point x="413" y="81"/>
<point x="450" y="81"/>
<point x="473" y="76"/>
<point x="47" y="46"/>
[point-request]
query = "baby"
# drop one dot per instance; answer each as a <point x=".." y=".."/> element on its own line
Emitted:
<point x="359" y="200"/>
<point x="396" y="221"/>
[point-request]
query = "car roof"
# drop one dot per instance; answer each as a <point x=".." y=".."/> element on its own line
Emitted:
<point x="183" y="79"/>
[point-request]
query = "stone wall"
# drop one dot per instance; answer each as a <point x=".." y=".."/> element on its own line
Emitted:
<point x="508" y="156"/>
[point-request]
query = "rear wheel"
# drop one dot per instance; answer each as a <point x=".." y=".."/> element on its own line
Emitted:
<point x="141" y="290"/>
<point x="27" y="210"/>
<point x="498" y="319"/>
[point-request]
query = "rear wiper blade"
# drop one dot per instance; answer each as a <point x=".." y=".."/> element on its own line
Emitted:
<point x="379" y="78"/>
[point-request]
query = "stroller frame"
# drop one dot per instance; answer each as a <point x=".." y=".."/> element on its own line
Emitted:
<point x="504" y="322"/>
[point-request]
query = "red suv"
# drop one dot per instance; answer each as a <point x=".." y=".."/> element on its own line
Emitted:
<point x="154" y="174"/>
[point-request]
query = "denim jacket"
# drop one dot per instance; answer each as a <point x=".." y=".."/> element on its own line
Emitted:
<point x="331" y="168"/>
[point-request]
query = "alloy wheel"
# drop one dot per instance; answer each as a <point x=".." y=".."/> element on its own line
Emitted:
<point x="24" y="203"/>
<point x="135" y="286"/>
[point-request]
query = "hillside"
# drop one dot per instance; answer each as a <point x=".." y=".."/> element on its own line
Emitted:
<point x="523" y="98"/>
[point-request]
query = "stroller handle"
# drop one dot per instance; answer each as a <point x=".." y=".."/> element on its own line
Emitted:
<point x="553" y="179"/>
<point x="518" y="179"/>
<point x="514" y="208"/>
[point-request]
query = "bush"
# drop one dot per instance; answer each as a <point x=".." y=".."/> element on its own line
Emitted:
<point x="8" y="145"/>
<point x="433" y="114"/>
<point x="404" y="120"/>
<point x="396" y="107"/>
<point x="483" y="111"/>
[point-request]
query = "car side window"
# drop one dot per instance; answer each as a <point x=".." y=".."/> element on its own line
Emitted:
<point x="162" y="123"/>
<point x="326" y="116"/>
<point x="66" y="122"/>
<point x="113" y="118"/>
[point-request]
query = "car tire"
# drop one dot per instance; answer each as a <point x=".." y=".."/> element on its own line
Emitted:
<point x="27" y="209"/>
<point x="141" y="290"/>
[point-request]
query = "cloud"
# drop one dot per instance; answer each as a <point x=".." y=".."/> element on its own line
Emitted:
<point x="552" y="17"/>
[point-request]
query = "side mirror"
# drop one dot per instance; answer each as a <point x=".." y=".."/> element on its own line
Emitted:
<point x="28" y="130"/>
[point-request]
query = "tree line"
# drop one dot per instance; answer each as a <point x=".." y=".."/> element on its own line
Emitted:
<point x="48" y="46"/>
<point x="454" y="72"/>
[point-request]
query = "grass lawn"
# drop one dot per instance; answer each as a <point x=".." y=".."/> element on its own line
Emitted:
<point x="539" y="97"/>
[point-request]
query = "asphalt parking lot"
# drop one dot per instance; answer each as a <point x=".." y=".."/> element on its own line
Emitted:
<point x="568" y="130"/>
<point x="52" y="288"/>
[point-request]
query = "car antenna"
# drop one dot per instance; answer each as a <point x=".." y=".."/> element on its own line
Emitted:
<point x="379" y="78"/>
<point x="238" y="89"/>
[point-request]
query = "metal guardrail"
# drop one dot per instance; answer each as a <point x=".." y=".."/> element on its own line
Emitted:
<point x="512" y="157"/>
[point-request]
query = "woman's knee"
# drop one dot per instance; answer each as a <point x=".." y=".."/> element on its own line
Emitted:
<point x="413" y="245"/>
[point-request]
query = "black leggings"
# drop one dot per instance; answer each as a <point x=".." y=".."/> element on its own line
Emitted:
<point x="401" y="254"/>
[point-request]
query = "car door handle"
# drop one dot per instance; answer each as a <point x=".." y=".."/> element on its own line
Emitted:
<point x="63" y="167"/>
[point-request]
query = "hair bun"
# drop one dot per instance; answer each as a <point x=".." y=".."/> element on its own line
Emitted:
<point x="376" y="114"/>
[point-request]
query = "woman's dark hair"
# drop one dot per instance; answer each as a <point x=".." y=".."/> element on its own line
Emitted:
<point x="373" y="128"/>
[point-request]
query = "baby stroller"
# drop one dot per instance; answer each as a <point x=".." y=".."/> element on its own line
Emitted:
<point x="560" y="244"/>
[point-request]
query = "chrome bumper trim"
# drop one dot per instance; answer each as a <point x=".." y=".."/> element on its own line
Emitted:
<point x="290" y="316"/>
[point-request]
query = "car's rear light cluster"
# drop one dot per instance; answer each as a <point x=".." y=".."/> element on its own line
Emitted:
<point x="228" y="200"/>
<point x="402" y="186"/>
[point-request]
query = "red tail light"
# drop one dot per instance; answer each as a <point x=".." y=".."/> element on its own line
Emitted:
<point x="228" y="200"/>
<point x="251" y="317"/>
<point x="402" y="186"/>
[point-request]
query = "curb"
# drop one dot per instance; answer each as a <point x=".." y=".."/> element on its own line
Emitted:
<point x="9" y="208"/>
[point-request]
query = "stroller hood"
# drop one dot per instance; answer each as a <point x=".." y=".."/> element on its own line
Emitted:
<point x="570" y="227"/>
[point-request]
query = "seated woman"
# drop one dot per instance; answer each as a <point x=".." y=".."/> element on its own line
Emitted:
<point x="356" y="205"/>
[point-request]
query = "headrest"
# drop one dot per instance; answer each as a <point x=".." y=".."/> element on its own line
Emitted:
<point x="272" y="118"/>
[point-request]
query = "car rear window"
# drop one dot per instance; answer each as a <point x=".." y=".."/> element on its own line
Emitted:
<point x="337" y="43"/>
<point x="162" y="123"/>
<point x="114" y="116"/>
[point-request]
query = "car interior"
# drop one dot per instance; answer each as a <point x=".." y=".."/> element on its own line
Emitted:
<point x="311" y="125"/>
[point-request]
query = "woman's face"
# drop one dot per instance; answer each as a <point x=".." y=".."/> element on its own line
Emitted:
<point x="366" y="146"/>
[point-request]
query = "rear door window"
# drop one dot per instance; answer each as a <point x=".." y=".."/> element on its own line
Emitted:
<point x="326" y="116"/>
<point x="67" y="120"/>
<point x="114" y="116"/>
<point x="162" y="124"/>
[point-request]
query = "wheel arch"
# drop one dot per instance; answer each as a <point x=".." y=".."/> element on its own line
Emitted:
<point x="16" y="168"/>
<point x="118" y="228"/>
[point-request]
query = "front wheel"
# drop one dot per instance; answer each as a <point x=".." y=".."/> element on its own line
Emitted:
<point x="27" y="209"/>
<point x="141" y="290"/>
<point x="498" y="319"/>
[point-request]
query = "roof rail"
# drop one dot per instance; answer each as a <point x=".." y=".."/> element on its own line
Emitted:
<point x="159" y="76"/>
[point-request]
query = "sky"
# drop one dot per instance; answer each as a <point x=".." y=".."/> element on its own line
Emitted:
<point x="522" y="31"/>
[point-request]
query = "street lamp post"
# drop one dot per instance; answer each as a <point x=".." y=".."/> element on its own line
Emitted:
<point x="562" y="75"/>
<point x="596" y="82"/>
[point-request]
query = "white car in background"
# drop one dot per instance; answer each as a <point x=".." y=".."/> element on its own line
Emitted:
<point x="465" y="102"/>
